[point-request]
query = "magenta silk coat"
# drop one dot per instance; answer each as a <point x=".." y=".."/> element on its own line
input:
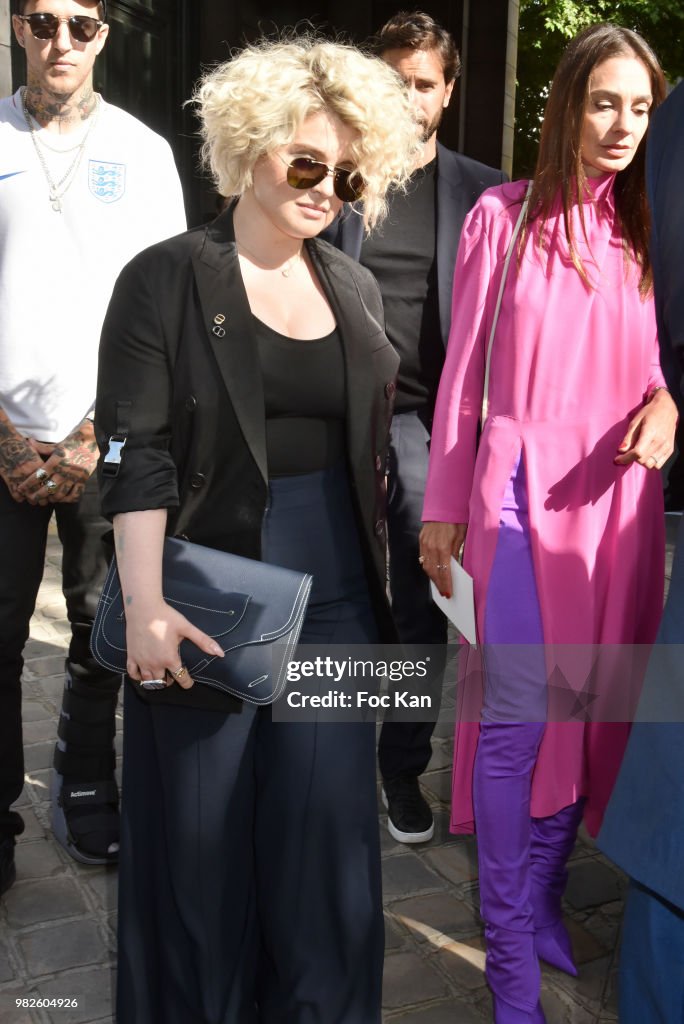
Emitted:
<point x="570" y="366"/>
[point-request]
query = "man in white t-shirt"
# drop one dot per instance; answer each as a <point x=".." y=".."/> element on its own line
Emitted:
<point x="83" y="187"/>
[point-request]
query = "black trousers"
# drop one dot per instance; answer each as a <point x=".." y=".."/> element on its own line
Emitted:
<point x="250" y="884"/>
<point x="23" y="533"/>
<point x="404" y="747"/>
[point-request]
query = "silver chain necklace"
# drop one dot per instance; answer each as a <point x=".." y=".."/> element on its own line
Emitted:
<point x="67" y="179"/>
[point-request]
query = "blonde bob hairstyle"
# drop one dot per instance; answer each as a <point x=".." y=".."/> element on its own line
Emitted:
<point x="255" y="103"/>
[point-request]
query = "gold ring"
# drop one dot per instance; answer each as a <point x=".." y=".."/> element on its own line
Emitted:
<point x="51" y="485"/>
<point x="180" y="672"/>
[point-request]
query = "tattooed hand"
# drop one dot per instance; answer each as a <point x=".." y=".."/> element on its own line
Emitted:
<point x="69" y="465"/>
<point x="18" y="459"/>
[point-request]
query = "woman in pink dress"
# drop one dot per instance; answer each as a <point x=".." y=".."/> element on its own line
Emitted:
<point x="561" y="497"/>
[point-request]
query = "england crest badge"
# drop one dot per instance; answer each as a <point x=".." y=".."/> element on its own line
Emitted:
<point x="107" y="181"/>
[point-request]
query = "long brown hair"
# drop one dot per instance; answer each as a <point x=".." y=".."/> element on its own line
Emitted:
<point x="559" y="165"/>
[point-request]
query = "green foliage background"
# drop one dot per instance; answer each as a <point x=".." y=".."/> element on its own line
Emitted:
<point x="545" y="28"/>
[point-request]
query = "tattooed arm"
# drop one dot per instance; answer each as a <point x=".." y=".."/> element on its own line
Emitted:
<point x="18" y="459"/>
<point x="68" y="464"/>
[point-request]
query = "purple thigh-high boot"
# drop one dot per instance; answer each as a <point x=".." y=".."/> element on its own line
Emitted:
<point x="513" y="723"/>
<point x="501" y="790"/>
<point x="553" y="839"/>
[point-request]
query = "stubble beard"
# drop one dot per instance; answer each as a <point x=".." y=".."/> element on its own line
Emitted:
<point x="430" y="127"/>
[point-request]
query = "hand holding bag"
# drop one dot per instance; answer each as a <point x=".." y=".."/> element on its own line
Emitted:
<point x="253" y="610"/>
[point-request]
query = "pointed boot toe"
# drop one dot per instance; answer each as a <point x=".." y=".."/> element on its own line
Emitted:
<point x="554" y="947"/>
<point x="505" y="1013"/>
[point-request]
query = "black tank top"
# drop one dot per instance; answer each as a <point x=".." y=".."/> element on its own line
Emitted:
<point x="305" y="398"/>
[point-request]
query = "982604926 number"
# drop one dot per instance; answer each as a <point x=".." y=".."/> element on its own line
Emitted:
<point x="47" y="1002"/>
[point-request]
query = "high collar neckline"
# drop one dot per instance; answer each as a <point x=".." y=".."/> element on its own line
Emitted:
<point x="601" y="187"/>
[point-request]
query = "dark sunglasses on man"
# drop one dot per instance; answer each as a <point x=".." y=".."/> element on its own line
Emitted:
<point x="44" y="25"/>
<point x="303" y="173"/>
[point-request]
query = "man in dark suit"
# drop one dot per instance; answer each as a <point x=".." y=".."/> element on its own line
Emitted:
<point x="644" y="827"/>
<point x="412" y="258"/>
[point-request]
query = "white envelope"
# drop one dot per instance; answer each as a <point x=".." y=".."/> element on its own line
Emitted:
<point x="460" y="607"/>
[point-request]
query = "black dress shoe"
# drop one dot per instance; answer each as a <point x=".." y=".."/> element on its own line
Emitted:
<point x="8" y="871"/>
<point x="409" y="818"/>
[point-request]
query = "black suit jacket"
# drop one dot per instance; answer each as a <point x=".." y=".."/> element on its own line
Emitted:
<point x="460" y="183"/>
<point x="179" y="374"/>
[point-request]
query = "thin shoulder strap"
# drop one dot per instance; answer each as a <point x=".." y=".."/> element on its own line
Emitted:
<point x="497" y="308"/>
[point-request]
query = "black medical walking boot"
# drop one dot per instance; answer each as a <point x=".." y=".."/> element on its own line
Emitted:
<point x="84" y="793"/>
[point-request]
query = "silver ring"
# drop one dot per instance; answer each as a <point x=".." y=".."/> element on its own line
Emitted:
<point x="41" y="474"/>
<point x="421" y="559"/>
<point x="153" y="684"/>
<point x="442" y="566"/>
<point x="51" y="485"/>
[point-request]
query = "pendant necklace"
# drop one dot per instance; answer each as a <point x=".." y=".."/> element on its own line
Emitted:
<point x="58" y="189"/>
<point x="286" y="268"/>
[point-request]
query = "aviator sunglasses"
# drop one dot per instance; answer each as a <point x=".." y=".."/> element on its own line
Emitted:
<point x="46" y="26"/>
<point x="303" y="173"/>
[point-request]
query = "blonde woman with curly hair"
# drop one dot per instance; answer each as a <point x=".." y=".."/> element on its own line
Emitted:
<point x="247" y="365"/>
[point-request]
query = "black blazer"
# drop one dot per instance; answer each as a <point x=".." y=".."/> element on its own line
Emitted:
<point x="179" y="374"/>
<point x="460" y="183"/>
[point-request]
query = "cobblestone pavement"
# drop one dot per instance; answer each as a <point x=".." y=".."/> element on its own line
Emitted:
<point x="58" y="922"/>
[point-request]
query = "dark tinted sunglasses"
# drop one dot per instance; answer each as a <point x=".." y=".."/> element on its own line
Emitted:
<point x="46" y="26"/>
<point x="303" y="173"/>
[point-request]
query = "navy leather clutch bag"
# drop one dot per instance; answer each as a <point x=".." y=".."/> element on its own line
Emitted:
<point x="252" y="609"/>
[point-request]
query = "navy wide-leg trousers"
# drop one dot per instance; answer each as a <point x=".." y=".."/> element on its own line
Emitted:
<point x="250" y="883"/>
